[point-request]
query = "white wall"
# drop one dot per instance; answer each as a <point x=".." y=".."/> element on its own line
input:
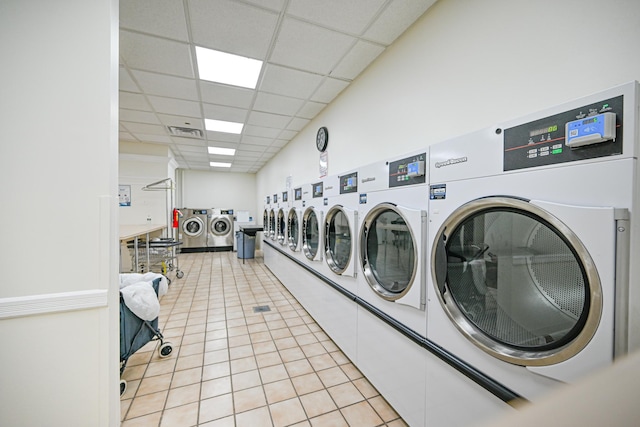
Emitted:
<point x="58" y="165"/>
<point x="463" y="66"/>
<point x="223" y="190"/>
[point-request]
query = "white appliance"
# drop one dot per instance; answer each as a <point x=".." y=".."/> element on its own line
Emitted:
<point x="393" y="200"/>
<point x="312" y="202"/>
<point x="192" y="230"/>
<point x="529" y="234"/>
<point x="282" y="217"/>
<point x="294" y="222"/>
<point x="340" y="230"/>
<point x="220" y="230"/>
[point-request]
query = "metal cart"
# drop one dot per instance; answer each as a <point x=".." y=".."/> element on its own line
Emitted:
<point x="159" y="255"/>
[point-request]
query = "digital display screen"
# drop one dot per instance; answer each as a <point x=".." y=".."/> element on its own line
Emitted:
<point x="317" y="189"/>
<point x="349" y="183"/>
<point x="407" y="171"/>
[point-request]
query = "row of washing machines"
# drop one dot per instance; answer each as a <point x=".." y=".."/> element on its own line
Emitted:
<point x="202" y="230"/>
<point x="498" y="260"/>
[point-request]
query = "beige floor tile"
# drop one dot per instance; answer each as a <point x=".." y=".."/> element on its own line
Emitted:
<point x="279" y="391"/>
<point x="215" y="387"/>
<point x="216" y="407"/>
<point x="216" y="356"/>
<point x="332" y="376"/>
<point x="154" y="384"/>
<point x="332" y="419"/>
<point x="245" y="380"/>
<point x="243" y="365"/>
<point x="317" y="403"/>
<point x="183" y="395"/>
<point x="273" y="373"/>
<point x="292" y="354"/>
<point x="397" y="423"/>
<point x="384" y="410"/>
<point x="345" y="394"/>
<point x="298" y="367"/>
<point x="364" y="386"/>
<point x="191" y="349"/>
<point x="147" y="404"/>
<point x="351" y="371"/>
<point x="189" y="362"/>
<point x="216" y="370"/>
<point x="240" y="352"/>
<point x="158" y="368"/>
<point x="280" y="333"/>
<point x="287" y="412"/>
<point x="268" y="359"/>
<point x="182" y="416"/>
<point x="251" y="398"/>
<point x="259" y="417"/>
<point x="313" y="349"/>
<point x="361" y="414"/>
<point x="307" y="383"/>
<point x="144" y="421"/>
<point x="323" y="361"/>
<point x="239" y="340"/>
<point x="305" y="339"/>
<point x="216" y="345"/>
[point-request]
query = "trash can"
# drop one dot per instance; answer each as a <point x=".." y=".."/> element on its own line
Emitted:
<point x="246" y="245"/>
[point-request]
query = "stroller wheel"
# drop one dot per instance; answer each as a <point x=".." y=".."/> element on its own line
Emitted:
<point x="179" y="274"/>
<point x="165" y="350"/>
<point x="123" y="386"/>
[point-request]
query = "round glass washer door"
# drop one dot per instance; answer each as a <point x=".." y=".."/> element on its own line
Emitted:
<point x="293" y="230"/>
<point x="516" y="281"/>
<point x="220" y="226"/>
<point x="388" y="253"/>
<point x="193" y="227"/>
<point x="272" y="224"/>
<point x="265" y="222"/>
<point x="337" y="239"/>
<point x="280" y="227"/>
<point x="310" y="233"/>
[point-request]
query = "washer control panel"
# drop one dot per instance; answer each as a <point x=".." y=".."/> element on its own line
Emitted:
<point x="588" y="132"/>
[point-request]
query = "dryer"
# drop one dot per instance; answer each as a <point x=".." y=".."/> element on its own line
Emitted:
<point x="220" y="230"/>
<point x="529" y="236"/>
<point x="281" y="218"/>
<point x="193" y="230"/>
<point x="392" y="210"/>
<point x="294" y="222"/>
<point x="272" y="212"/>
<point x="312" y="202"/>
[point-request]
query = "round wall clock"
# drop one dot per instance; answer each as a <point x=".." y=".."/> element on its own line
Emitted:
<point x="322" y="138"/>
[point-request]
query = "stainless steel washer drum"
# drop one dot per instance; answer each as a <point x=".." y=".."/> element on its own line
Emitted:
<point x="516" y="281"/>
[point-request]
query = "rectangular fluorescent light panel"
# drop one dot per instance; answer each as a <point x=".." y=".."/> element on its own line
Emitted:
<point x="226" y="68"/>
<point x="222" y="126"/>
<point x="222" y="151"/>
<point x="219" y="165"/>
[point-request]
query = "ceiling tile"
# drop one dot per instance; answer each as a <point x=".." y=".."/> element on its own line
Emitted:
<point x="154" y="138"/>
<point x="252" y="130"/>
<point x="358" y="58"/>
<point x="395" y="19"/>
<point x="258" y="118"/>
<point x="328" y="90"/>
<point x="126" y="82"/>
<point x="138" y="116"/>
<point x="222" y="136"/>
<point x="160" y="17"/>
<point x="181" y="142"/>
<point x="214" y="93"/>
<point x="219" y="112"/>
<point x="144" y="52"/>
<point x="348" y="16"/>
<point x="277" y="104"/>
<point x="275" y="5"/>
<point x="186" y="149"/>
<point x="232" y="27"/>
<point x="181" y="121"/>
<point x="248" y="140"/>
<point x="125" y="136"/>
<point x="311" y="109"/>
<point x="309" y="47"/>
<point x="298" y="124"/>
<point x="288" y="82"/>
<point x="163" y="85"/>
<point x="133" y="101"/>
<point x="178" y="107"/>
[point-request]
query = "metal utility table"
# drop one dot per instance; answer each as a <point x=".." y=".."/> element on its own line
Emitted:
<point x="249" y="231"/>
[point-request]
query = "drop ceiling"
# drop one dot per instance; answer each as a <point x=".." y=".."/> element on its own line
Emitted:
<point x="312" y="50"/>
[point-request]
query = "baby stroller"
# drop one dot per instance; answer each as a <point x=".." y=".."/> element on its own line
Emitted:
<point x="136" y="332"/>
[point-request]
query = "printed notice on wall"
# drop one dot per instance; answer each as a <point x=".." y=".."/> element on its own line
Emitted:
<point x="324" y="164"/>
<point x="124" y="194"/>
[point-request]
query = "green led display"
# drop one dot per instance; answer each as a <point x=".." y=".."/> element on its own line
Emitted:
<point x="556" y="151"/>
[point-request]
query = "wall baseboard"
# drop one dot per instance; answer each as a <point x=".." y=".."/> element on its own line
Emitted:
<point x="32" y="305"/>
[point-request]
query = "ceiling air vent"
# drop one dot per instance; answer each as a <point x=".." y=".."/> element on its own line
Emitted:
<point x="185" y="132"/>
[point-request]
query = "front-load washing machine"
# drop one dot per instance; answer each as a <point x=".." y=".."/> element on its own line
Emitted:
<point x="193" y="230"/>
<point x="529" y="242"/>
<point x="312" y="202"/>
<point x="220" y="230"/>
<point x="281" y="219"/>
<point x="393" y="201"/>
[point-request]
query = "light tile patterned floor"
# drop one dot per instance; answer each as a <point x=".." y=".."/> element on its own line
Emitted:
<point x="233" y="366"/>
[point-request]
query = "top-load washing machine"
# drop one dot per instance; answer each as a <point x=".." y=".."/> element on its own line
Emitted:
<point x="529" y="236"/>
<point x="220" y="230"/>
<point x="192" y="229"/>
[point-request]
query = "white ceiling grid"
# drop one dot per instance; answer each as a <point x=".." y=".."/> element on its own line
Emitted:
<point x="312" y="50"/>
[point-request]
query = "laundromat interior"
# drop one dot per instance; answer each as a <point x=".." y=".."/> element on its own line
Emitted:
<point x="430" y="217"/>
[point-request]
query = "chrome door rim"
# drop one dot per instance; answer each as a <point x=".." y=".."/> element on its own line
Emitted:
<point x="477" y="336"/>
<point x="328" y="255"/>
<point x="190" y="220"/>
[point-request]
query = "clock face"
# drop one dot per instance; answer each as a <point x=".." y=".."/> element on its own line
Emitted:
<point x="322" y="139"/>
